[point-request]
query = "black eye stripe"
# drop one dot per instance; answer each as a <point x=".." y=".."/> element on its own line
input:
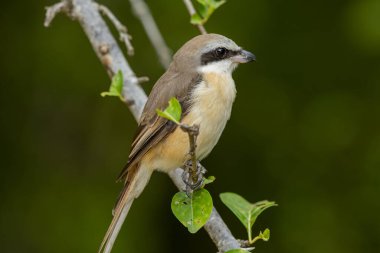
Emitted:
<point x="211" y="56"/>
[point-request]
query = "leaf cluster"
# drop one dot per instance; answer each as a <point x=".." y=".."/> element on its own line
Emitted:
<point x="195" y="210"/>
<point x="247" y="213"/>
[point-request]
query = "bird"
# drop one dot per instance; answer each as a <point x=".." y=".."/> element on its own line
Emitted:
<point x="200" y="78"/>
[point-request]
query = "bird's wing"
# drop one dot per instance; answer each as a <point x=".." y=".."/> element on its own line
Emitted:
<point x="152" y="128"/>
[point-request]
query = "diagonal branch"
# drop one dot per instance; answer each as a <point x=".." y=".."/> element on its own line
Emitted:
<point x="106" y="48"/>
<point x="142" y="12"/>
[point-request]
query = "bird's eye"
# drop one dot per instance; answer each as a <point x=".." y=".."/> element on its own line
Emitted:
<point x="221" y="52"/>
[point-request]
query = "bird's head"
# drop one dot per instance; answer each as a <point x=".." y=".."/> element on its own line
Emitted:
<point x="211" y="53"/>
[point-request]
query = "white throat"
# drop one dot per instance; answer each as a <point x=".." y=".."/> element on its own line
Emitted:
<point x="220" y="67"/>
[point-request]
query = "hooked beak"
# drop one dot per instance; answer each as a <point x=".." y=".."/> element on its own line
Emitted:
<point x="243" y="57"/>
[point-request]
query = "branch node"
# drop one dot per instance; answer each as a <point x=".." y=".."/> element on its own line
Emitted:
<point x="129" y="102"/>
<point x="142" y="79"/>
<point x="53" y="10"/>
<point x="244" y="243"/>
<point x="104" y="49"/>
<point x="122" y="29"/>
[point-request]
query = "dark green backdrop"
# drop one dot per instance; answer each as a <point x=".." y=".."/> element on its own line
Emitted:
<point x="305" y="129"/>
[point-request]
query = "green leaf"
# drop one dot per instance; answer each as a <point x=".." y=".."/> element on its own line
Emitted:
<point x="237" y="251"/>
<point x="116" y="86"/>
<point x="208" y="180"/>
<point x="246" y="212"/>
<point x="172" y="112"/>
<point x="265" y="235"/>
<point x="192" y="212"/>
<point x="262" y="236"/>
<point x="217" y="4"/>
<point x="196" y="19"/>
<point x="203" y="2"/>
<point x="203" y="11"/>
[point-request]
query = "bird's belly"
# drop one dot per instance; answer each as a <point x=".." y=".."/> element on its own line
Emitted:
<point x="211" y="109"/>
<point x="212" y="104"/>
<point x="211" y="121"/>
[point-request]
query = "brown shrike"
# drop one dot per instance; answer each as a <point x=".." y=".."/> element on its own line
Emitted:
<point x="200" y="77"/>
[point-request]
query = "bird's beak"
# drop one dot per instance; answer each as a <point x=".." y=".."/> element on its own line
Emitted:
<point x="243" y="57"/>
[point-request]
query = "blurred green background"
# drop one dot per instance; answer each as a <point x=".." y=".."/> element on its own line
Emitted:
<point x="305" y="129"/>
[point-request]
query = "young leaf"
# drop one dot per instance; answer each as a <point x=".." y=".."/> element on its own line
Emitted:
<point x="208" y="180"/>
<point x="246" y="212"/>
<point x="192" y="212"/>
<point x="205" y="10"/>
<point x="196" y="19"/>
<point x="262" y="236"/>
<point x="116" y="86"/>
<point x="203" y="2"/>
<point x="265" y="235"/>
<point x="172" y="112"/>
<point x="237" y="251"/>
<point x="217" y="4"/>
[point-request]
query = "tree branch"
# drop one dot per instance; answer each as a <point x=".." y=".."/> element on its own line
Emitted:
<point x="105" y="46"/>
<point x="53" y="10"/>
<point x="190" y="7"/>
<point x="122" y="29"/>
<point x="86" y="12"/>
<point x="142" y="12"/>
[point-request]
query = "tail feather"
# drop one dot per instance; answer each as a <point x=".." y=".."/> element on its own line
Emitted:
<point x="114" y="229"/>
<point x="136" y="181"/>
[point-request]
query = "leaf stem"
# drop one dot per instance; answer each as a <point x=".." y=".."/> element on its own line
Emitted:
<point x="190" y="7"/>
<point x="254" y="240"/>
<point x="249" y="230"/>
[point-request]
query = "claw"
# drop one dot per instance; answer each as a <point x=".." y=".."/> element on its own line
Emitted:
<point x="187" y="177"/>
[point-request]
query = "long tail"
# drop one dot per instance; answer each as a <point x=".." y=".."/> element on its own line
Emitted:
<point x="137" y="179"/>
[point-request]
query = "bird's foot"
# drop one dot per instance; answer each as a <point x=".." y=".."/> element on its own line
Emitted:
<point x="193" y="181"/>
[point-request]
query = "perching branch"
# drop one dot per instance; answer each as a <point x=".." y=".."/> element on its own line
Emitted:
<point x="190" y="7"/>
<point x="193" y="170"/>
<point x="193" y="132"/>
<point x="142" y="12"/>
<point x="86" y="12"/>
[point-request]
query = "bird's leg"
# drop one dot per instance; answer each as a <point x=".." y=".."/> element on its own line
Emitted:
<point x="193" y="170"/>
<point x="188" y="176"/>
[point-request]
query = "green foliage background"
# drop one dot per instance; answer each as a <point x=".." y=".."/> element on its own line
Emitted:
<point x="305" y="129"/>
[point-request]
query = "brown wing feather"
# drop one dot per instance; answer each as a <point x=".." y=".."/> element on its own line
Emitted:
<point x="152" y="128"/>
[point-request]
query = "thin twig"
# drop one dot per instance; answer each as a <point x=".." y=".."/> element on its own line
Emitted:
<point x="143" y="79"/>
<point x="53" y="10"/>
<point x="109" y="53"/>
<point x="190" y="7"/>
<point x="122" y="29"/>
<point x="142" y="12"/>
